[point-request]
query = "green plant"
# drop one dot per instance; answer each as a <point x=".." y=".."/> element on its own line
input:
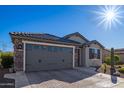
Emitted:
<point x="0" y="59"/>
<point x="117" y="59"/>
<point x="103" y="67"/>
<point x="107" y="60"/>
<point x="121" y="70"/>
<point x="7" y="59"/>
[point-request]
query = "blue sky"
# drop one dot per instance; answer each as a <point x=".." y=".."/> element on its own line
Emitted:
<point x="57" y="20"/>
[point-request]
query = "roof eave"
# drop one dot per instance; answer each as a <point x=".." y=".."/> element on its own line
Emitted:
<point x="91" y="42"/>
<point x="41" y="39"/>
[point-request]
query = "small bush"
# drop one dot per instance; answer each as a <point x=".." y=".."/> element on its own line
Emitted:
<point x="0" y="60"/>
<point x="121" y="70"/>
<point x="7" y="59"/>
<point x="108" y="60"/>
<point x="117" y="59"/>
<point x="104" y="67"/>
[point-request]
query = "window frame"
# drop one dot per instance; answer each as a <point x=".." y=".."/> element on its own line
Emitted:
<point x="95" y="54"/>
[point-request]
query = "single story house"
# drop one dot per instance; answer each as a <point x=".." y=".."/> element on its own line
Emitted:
<point x="36" y="52"/>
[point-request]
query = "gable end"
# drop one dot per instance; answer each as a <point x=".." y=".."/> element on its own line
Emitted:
<point x="77" y="37"/>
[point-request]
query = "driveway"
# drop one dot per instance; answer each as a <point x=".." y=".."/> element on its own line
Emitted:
<point x="69" y="78"/>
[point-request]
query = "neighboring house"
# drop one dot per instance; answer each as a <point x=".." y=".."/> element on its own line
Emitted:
<point x="35" y="52"/>
<point x="120" y="52"/>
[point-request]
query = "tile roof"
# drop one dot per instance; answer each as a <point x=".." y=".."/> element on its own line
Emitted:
<point x="43" y="36"/>
<point x="35" y="35"/>
<point x="119" y="51"/>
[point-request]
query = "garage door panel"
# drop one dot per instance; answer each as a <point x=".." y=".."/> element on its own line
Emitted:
<point x="47" y="62"/>
<point x="40" y="57"/>
<point x="48" y="66"/>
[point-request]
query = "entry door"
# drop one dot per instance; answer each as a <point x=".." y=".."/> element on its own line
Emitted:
<point x="78" y="57"/>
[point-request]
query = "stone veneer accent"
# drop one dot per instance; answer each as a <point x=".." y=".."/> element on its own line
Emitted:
<point x="18" y="58"/>
<point x="76" y="57"/>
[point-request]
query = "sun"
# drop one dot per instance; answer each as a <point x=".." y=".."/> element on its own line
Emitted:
<point x="109" y="16"/>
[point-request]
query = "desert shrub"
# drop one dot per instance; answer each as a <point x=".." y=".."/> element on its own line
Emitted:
<point x="7" y="59"/>
<point x="121" y="70"/>
<point x="0" y="60"/>
<point x="108" y="60"/>
<point x="117" y="59"/>
<point x="103" y="67"/>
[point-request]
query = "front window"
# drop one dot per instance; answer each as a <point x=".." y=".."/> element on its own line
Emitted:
<point x="94" y="53"/>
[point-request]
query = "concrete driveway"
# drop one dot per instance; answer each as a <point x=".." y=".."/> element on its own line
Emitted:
<point x="69" y="78"/>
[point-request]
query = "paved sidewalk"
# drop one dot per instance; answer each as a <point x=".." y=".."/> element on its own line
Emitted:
<point x="70" y="78"/>
<point x="121" y="85"/>
<point x="21" y="79"/>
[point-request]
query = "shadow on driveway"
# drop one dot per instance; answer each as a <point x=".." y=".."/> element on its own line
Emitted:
<point x="69" y="76"/>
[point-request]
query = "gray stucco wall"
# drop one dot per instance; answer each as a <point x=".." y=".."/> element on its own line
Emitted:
<point x="92" y="62"/>
<point x="83" y="56"/>
<point x="77" y="38"/>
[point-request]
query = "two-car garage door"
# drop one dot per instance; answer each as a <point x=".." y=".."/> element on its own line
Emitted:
<point x="47" y="57"/>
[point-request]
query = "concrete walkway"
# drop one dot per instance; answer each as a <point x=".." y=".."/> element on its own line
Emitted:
<point x="21" y="79"/>
<point x="71" y="78"/>
<point x="120" y="85"/>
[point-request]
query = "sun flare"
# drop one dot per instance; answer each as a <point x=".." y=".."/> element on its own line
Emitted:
<point x="109" y="15"/>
